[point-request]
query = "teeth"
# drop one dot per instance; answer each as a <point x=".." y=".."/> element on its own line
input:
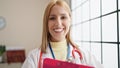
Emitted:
<point x="58" y="30"/>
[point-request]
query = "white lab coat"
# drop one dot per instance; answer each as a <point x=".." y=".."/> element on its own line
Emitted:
<point x="33" y="58"/>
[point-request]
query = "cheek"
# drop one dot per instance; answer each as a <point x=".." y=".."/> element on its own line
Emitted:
<point x="68" y="25"/>
<point x="50" y="25"/>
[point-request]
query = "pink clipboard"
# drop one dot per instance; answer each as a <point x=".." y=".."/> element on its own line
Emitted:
<point x="51" y="63"/>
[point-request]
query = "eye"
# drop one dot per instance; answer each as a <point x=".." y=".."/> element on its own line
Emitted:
<point x="51" y="18"/>
<point x="63" y="17"/>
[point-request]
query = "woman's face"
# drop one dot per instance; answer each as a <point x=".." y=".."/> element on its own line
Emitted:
<point x="58" y="23"/>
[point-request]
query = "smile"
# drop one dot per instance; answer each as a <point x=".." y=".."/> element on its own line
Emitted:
<point x="58" y="29"/>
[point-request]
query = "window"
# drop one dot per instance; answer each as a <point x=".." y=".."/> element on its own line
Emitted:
<point x="96" y="27"/>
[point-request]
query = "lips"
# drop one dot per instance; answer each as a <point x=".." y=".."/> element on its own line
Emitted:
<point x="58" y="29"/>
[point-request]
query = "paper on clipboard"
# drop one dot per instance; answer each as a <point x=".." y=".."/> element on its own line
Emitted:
<point x="51" y="63"/>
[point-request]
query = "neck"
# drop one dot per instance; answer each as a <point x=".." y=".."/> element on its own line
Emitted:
<point x="57" y="40"/>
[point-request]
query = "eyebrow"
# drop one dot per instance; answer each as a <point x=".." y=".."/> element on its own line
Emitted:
<point x="60" y="14"/>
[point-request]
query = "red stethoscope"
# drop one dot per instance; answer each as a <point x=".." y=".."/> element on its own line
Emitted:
<point x="75" y="49"/>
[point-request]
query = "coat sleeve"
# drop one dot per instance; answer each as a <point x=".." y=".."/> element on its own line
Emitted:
<point x="32" y="59"/>
<point x="29" y="62"/>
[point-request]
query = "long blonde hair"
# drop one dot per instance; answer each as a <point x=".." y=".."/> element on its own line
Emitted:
<point x="45" y="33"/>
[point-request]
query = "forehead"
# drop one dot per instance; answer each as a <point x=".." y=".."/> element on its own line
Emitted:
<point x="57" y="9"/>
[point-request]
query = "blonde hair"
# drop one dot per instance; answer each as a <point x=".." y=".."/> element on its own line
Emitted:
<point x="45" y="33"/>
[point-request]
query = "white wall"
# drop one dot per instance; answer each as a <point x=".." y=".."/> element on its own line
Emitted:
<point x="24" y="25"/>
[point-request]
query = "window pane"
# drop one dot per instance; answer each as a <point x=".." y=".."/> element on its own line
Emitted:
<point x="110" y="57"/>
<point x="77" y="3"/>
<point x="109" y="28"/>
<point x="108" y="6"/>
<point x="96" y="50"/>
<point x="119" y="26"/>
<point x="85" y="46"/>
<point x="119" y="4"/>
<point x="73" y="2"/>
<point x="86" y="31"/>
<point x="95" y="30"/>
<point x="95" y="8"/>
<point x="73" y="17"/>
<point x="78" y="15"/>
<point x="85" y="11"/>
<point x="76" y="33"/>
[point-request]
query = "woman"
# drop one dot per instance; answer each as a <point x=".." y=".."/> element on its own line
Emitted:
<point x="56" y="41"/>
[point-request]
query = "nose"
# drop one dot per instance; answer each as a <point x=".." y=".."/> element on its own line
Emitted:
<point x="58" y="22"/>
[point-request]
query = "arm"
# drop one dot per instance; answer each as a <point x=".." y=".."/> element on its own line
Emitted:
<point x="29" y="63"/>
<point x="32" y="59"/>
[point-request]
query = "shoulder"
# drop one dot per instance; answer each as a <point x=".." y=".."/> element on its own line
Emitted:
<point x="32" y="59"/>
<point x="34" y="52"/>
